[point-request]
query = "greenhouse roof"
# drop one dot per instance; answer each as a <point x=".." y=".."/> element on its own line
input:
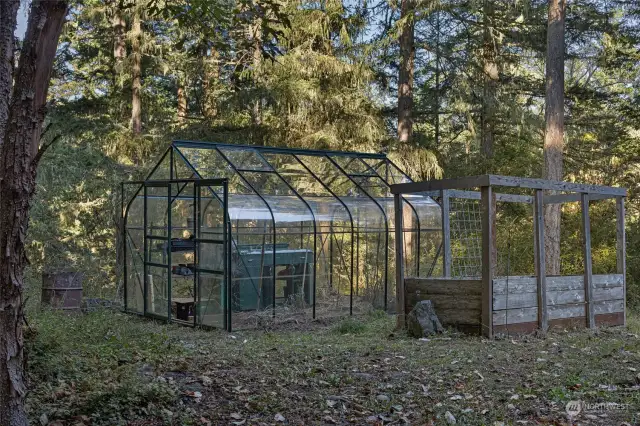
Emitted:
<point x="291" y="185"/>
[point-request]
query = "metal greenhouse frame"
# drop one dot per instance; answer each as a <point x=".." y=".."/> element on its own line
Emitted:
<point x="222" y="234"/>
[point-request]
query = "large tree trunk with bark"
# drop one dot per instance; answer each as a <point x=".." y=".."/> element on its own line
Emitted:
<point x="182" y="100"/>
<point x="19" y="156"/>
<point x="136" y="74"/>
<point x="405" y="75"/>
<point x="491" y="76"/>
<point x="119" y="27"/>
<point x="554" y="129"/>
<point x="8" y="20"/>
<point x="256" y="110"/>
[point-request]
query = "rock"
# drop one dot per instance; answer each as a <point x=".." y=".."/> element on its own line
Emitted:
<point x="44" y="419"/>
<point x="279" y="418"/>
<point x="382" y="398"/>
<point x="422" y="321"/>
<point x="451" y="420"/>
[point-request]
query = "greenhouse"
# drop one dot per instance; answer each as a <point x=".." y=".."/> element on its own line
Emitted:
<point x="233" y="236"/>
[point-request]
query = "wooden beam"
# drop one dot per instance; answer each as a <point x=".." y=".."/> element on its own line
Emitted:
<point x="446" y="233"/>
<point x="399" y="239"/>
<point x="621" y="251"/>
<point x="588" y="274"/>
<point x="488" y="265"/>
<point x="509" y="181"/>
<point x="514" y="198"/>
<point x="541" y="272"/>
<point x="554" y="185"/>
<point x="437" y="185"/>
<point x="570" y="198"/>
<point x="475" y="195"/>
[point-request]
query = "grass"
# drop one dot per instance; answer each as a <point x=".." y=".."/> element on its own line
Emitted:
<point x="107" y="368"/>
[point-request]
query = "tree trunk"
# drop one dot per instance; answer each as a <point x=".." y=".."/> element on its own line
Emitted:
<point x="182" y="101"/>
<point x="490" y="81"/>
<point x="136" y="101"/>
<point x="405" y="75"/>
<point x="18" y="163"/>
<point x="436" y="98"/>
<point x="211" y="76"/>
<point x="119" y="28"/>
<point x="8" y="20"/>
<point x="256" y="109"/>
<point x="554" y="129"/>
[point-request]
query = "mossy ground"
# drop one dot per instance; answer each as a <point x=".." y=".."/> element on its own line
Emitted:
<point x="108" y="368"/>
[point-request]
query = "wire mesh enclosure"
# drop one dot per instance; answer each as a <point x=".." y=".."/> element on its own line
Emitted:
<point x="232" y="236"/>
<point x="497" y="277"/>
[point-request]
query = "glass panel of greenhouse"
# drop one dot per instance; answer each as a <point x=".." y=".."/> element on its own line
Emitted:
<point x="235" y="236"/>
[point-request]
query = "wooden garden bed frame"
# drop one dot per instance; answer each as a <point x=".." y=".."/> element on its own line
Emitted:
<point x="544" y="192"/>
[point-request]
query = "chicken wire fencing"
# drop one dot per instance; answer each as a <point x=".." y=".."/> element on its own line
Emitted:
<point x="235" y="236"/>
<point x="513" y="240"/>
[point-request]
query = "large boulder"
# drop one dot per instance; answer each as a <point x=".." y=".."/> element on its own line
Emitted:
<point x="422" y="321"/>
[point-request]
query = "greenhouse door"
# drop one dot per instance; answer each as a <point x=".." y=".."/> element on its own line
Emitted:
<point x="186" y="251"/>
<point x="212" y="254"/>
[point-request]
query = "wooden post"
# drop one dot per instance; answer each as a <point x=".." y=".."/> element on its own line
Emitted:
<point x="446" y="234"/>
<point x="621" y="252"/>
<point x="541" y="273"/>
<point x="400" y="307"/>
<point x="487" y="201"/>
<point x="588" y="274"/>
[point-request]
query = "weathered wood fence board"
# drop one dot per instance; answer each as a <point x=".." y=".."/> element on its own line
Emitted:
<point x="560" y="290"/>
<point x="456" y="301"/>
<point x="565" y="297"/>
<point x="556" y="312"/>
<point x="450" y="286"/>
<point x="520" y="284"/>
<point x="529" y="300"/>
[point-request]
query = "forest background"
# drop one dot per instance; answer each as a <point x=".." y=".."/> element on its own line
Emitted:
<point x="132" y="75"/>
